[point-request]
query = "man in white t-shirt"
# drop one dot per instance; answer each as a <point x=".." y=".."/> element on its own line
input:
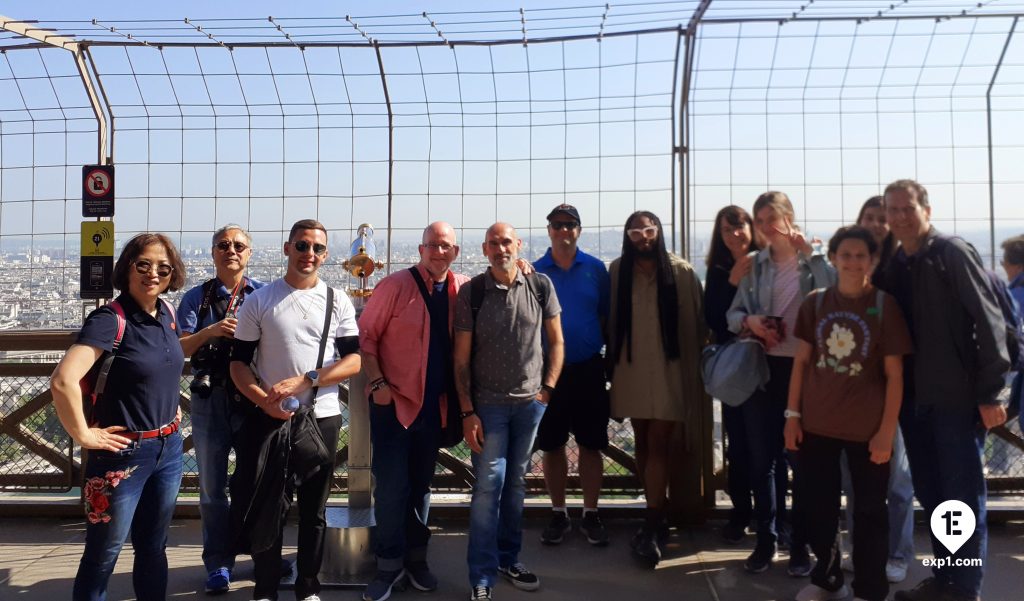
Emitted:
<point x="282" y="324"/>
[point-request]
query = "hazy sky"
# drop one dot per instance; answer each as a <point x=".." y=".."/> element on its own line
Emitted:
<point x="826" y="112"/>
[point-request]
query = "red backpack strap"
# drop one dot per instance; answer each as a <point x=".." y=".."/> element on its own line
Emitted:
<point x="121" y="323"/>
<point x="101" y="377"/>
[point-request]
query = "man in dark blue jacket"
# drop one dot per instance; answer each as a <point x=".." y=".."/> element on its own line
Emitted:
<point x="951" y="382"/>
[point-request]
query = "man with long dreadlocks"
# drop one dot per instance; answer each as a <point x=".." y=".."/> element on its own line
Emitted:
<point x="657" y="329"/>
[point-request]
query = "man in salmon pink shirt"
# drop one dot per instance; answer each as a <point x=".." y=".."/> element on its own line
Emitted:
<point x="405" y="340"/>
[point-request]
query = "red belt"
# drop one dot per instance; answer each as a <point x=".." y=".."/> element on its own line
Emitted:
<point x="167" y="430"/>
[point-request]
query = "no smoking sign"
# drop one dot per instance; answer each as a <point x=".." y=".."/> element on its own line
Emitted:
<point x="98" y="191"/>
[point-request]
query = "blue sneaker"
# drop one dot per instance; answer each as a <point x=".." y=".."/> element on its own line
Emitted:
<point x="218" y="581"/>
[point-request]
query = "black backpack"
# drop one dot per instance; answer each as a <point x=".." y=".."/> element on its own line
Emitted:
<point x="1011" y="320"/>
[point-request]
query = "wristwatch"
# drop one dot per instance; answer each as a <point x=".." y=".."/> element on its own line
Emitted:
<point x="313" y="376"/>
<point x="788" y="414"/>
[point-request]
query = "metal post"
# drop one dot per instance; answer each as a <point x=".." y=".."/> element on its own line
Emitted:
<point x="684" y="129"/>
<point x="676" y="145"/>
<point x="391" y="148"/>
<point x="991" y="169"/>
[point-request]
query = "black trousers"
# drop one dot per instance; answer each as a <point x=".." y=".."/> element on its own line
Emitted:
<point x="312" y="501"/>
<point x="820" y="489"/>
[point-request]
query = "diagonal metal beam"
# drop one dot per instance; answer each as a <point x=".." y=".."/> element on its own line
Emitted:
<point x="30" y="30"/>
<point x="48" y="37"/>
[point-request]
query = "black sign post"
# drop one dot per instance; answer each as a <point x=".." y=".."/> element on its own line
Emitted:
<point x="97" y="191"/>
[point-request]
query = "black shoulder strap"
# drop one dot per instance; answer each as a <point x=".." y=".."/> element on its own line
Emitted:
<point x="422" y="286"/>
<point x="476" y="295"/>
<point x="209" y="287"/>
<point x="535" y="290"/>
<point x="323" y="335"/>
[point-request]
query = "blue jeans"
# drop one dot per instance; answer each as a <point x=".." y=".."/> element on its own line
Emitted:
<point x="403" y="466"/>
<point x="214" y="422"/>
<point x="496" y="512"/>
<point x="945" y="447"/>
<point x="900" y="497"/>
<point x="140" y="500"/>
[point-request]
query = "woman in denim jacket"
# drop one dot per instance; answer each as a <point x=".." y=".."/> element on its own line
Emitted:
<point x="765" y="306"/>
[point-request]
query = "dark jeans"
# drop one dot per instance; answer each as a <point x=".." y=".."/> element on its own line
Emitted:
<point x="944" y="445"/>
<point x="215" y="420"/>
<point x="312" y="500"/>
<point x="820" y="488"/>
<point x="737" y="454"/>
<point x="739" y="485"/>
<point x="132" y="491"/>
<point x="403" y="466"/>
<point x="763" y="424"/>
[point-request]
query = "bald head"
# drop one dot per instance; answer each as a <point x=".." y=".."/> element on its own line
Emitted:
<point x="501" y="246"/>
<point x="438" y="249"/>
<point x="438" y="229"/>
<point x="502" y="228"/>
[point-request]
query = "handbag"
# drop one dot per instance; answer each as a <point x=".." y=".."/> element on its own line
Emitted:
<point x="735" y="370"/>
<point x="309" y="452"/>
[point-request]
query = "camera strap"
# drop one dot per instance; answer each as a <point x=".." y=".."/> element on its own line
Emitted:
<point x="221" y="307"/>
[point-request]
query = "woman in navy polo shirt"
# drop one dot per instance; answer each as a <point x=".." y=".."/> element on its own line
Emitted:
<point x="133" y="471"/>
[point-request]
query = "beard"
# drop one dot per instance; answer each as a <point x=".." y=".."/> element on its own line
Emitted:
<point x="650" y="253"/>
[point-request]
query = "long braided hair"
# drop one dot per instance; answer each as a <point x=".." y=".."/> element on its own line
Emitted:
<point x="668" y="296"/>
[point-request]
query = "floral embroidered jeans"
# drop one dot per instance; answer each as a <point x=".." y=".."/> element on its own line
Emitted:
<point x="132" y="491"/>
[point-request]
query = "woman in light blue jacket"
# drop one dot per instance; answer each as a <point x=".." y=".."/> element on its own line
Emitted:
<point x="766" y="306"/>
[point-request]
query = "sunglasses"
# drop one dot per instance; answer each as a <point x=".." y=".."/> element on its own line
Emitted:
<point x="224" y="245"/>
<point x="145" y="267"/>
<point x="563" y="225"/>
<point x="303" y="247"/>
<point x="636" y="234"/>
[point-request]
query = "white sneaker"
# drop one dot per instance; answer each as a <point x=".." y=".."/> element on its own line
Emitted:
<point x="813" y="592"/>
<point x="896" y="570"/>
<point x="847" y="563"/>
<point x="312" y="598"/>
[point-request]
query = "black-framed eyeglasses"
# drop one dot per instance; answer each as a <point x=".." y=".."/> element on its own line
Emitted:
<point x="224" y="245"/>
<point x="145" y="267"/>
<point x="563" y="225"/>
<point x="303" y="247"/>
<point x="444" y="248"/>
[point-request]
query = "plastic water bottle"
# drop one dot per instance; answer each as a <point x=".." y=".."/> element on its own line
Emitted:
<point x="293" y="403"/>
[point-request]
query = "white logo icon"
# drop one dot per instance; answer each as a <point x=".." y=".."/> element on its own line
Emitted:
<point x="953" y="523"/>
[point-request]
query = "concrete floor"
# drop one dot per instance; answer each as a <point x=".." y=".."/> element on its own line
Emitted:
<point x="39" y="557"/>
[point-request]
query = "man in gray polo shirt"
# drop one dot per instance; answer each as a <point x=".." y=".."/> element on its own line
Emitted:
<point x="504" y="387"/>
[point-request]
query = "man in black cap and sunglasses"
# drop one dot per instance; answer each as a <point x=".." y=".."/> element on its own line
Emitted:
<point x="299" y="325"/>
<point x="207" y="318"/>
<point x="579" y="403"/>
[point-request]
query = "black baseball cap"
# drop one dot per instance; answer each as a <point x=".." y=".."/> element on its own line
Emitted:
<point x="567" y="210"/>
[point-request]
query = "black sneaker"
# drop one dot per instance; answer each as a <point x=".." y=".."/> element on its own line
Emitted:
<point x="799" y="561"/>
<point x="520" y="577"/>
<point x="380" y="587"/>
<point x="480" y="593"/>
<point x="420" y="576"/>
<point x="645" y="547"/>
<point x="931" y="589"/>
<point x="557" y="528"/>
<point x="733" y="533"/>
<point x="761" y="559"/>
<point x="592" y="526"/>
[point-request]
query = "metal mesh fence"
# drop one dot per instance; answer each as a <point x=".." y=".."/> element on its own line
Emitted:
<point x="397" y="120"/>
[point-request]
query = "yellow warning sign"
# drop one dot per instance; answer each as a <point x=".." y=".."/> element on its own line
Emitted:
<point x="97" y="238"/>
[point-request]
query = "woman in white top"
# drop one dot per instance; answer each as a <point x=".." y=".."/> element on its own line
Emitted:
<point x="766" y="306"/>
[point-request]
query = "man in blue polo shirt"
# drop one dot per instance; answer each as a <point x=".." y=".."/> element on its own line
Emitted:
<point x="580" y="402"/>
<point x="207" y="314"/>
